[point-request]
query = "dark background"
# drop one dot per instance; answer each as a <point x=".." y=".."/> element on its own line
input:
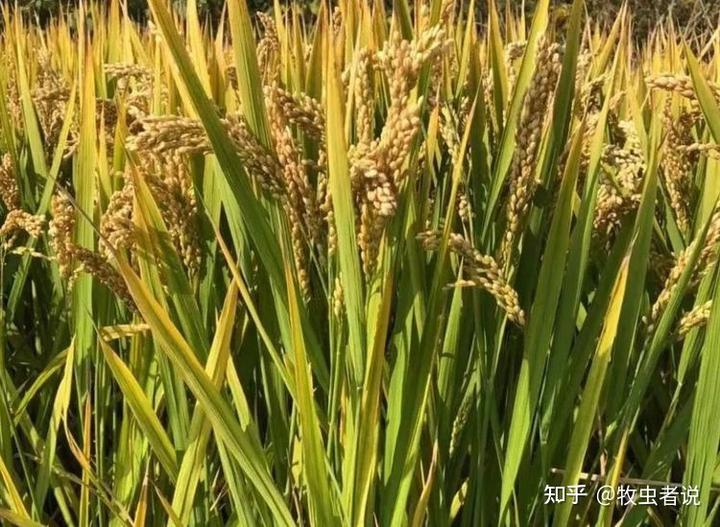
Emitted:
<point x="693" y="15"/>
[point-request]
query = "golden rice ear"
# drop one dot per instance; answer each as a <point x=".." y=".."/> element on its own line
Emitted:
<point x="9" y="191"/>
<point x="695" y="318"/>
<point x="116" y="226"/>
<point x="480" y="271"/>
<point x="302" y="211"/>
<point x="61" y="231"/>
<point x="537" y="101"/>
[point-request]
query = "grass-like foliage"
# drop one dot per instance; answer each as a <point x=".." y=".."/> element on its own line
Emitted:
<point x="393" y="267"/>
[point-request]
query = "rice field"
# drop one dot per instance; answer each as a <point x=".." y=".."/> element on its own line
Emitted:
<point x="368" y="267"/>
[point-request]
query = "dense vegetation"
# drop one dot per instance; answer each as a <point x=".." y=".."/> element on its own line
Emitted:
<point x="375" y="266"/>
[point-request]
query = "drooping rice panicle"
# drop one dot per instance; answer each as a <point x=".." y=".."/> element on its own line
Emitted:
<point x="482" y="271"/>
<point x="527" y="144"/>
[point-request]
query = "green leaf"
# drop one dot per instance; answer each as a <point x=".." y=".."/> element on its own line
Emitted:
<point x="590" y="398"/>
<point x="225" y="424"/>
<point x="142" y="410"/>
<point x="705" y="427"/>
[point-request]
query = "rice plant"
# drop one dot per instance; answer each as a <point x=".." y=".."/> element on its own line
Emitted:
<point x="368" y="266"/>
